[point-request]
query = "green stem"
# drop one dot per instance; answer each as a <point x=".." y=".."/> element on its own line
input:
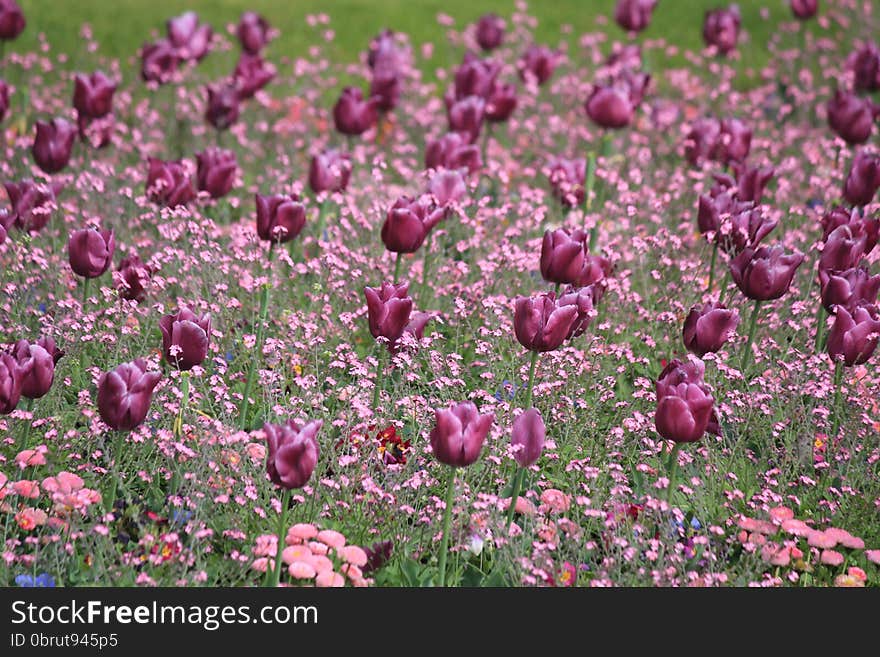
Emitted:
<point x="184" y="404"/>
<point x="282" y="519"/>
<point x="261" y="329"/>
<point x="28" y="406"/>
<point x="672" y="468"/>
<point x="753" y="322"/>
<point x="377" y="387"/>
<point x="397" y="267"/>
<point x="518" y="477"/>
<point x="835" y="407"/>
<point x="85" y="296"/>
<point x="447" y="522"/>
<point x="115" y="457"/>
<point x="590" y="183"/>
<point x="532" y="366"/>
<point x="712" y="266"/>
<point x="820" y="327"/>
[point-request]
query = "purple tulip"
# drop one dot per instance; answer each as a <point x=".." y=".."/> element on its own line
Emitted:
<point x="734" y="141"/>
<point x="253" y="32"/>
<point x="458" y="434"/>
<point x="159" y="61"/>
<point x="867" y="227"/>
<point x="385" y="89"/>
<point x="854" y="336"/>
<point x="843" y="249"/>
<point x="744" y="228"/>
<point x="684" y="402"/>
<point x="851" y="117"/>
<point x="562" y="256"/>
<point x="715" y="208"/>
<point x="384" y="53"/>
<point x="169" y="183"/>
<point x="475" y="77"/>
<point x="537" y="64"/>
<point x="751" y="181"/>
<point x="610" y="107"/>
<point x="702" y="141"/>
<point x="388" y="310"/>
<point x="596" y="269"/>
<point x="53" y="143"/>
<point x="4" y="99"/>
<point x="447" y="187"/>
<point x="280" y="218"/>
<point x="804" y="9"/>
<point x="293" y="452"/>
<point x="51" y="348"/>
<point x="865" y="65"/>
<point x="850" y="288"/>
<point x="216" y="169"/>
<point x="863" y="180"/>
<point x="489" y="31"/>
<point x="541" y="324"/>
<point x="721" y="28"/>
<point x="501" y="102"/>
<point x="32" y="204"/>
<point x="185" y="338"/>
<point x="634" y="15"/>
<point x="329" y="171"/>
<point x="708" y="327"/>
<point x="584" y="299"/>
<point x="466" y="116"/>
<point x="452" y="151"/>
<point x="224" y="105"/>
<point x="12" y="21"/>
<point x="93" y="95"/>
<point x="90" y="251"/>
<point x="36" y="369"/>
<point x="567" y="179"/>
<point x="10" y="383"/>
<point x="124" y="395"/>
<point x="133" y="277"/>
<point x="408" y="223"/>
<point x="191" y="39"/>
<point x="251" y="74"/>
<point x="5" y="225"/>
<point x="528" y="437"/>
<point x="764" y="273"/>
<point x="352" y="114"/>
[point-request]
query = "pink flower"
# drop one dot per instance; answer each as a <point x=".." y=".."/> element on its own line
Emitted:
<point x="780" y="514"/>
<point x="301" y="570"/>
<point x="29" y="518"/>
<point x="354" y="555"/>
<point x="555" y="501"/>
<point x="332" y="538"/>
<point x="26" y="488"/>
<point x="329" y="579"/>
<point x="302" y="531"/>
<point x="818" y="539"/>
<point x="30" y="458"/>
<point x="832" y="558"/>
<point x="873" y="556"/>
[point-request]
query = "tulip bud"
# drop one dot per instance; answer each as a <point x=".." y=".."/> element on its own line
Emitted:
<point x="124" y="395"/>
<point x="850" y="288"/>
<point x="10" y="384"/>
<point x="475" y="77"/>
<point x="4" y="99"/>
<point x="500" y="103"/>
<point x="764" y="273"/>
<point x="751" y="181"/>
<point x="466" y="116"/>
<point x="280" y="218"/>
<point x="804" y="9"/>
<point x="93" y="95"/>
<point x="185" y="338"/>
<point x="528" y="437"/>
<point x="169" y="183"/>
<point x="159" y="61"/>
<point x="251" y="74"/>
<point x="216" y="171"/>
<point x="191" y="39"/>
<point x="489" y="31"/>
<point x="744" y="228"/>
<point x="452" y="151"/>
<point x="53" y="144"/>
<point x="36" y="369"/>
<point x="329" y="171"/>
<point x="458" y="434"/>
<point x="253" y="32"/>
<point x="562" y="256"/>
<point x="843" y="249"/>
<point x="223" y="106"/>
<point x="702" y="141"/>
<point x="292" y="452"/>
<point x="708" y="327"/>
<point x="32" y="204"/>
<point x="537" y="64"/>
<point x="851" y="117"/>
<point x="12" y="21"/>
<point x="609" y="107"/>
<point x="567" y="180"/>
<point x="132" y="278"/>
<point x="447" y="187"/>
<point x="721" y="28"/>
<point x="684" y="402"/>
<point x="409" y="222"/>
<point x="584" y="299"/>
<point x="541" y="324"/>
<point x="734" y="141"/>
<point x="865" y="65"/>
<point x="863" y="180"/>
<point x="383" y="51"/>
<point x="634" y="15"/>
<point x="352" y="114"/>
<point x="385" y="89"/>
<point x="854" y="336"/>
<point x="388" y="310"/>
<point x="869" y="227"/>
<point x="596" y="269"/>
<point x="90" y="251"/>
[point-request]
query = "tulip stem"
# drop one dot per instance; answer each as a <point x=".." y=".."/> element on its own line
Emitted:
<point x="835" y="407"/>
<point x="282" y="519"/>
<point x="518" y="477"/>
<point x="85" y="296"/>
<point x="672" y="469"/>
<point x="753" y="323"/>
<point x="28" y="406"/>
<point x="397" y="267"/>
<point x="532" y="366"/>
<point x="820" y="326"/>
<point x="261" y="328"/>
<point x="377" y="387"/>
<point x="590" y="182"/>
<point x="184" y="403"/>
<point x="117" y="476"/>
<point x="447" y="522"/>
<point x="712" y="266"/>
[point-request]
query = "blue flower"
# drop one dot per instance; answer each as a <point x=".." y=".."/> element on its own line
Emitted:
<point x="43" y="580"/>
<point x="178" y="517"/>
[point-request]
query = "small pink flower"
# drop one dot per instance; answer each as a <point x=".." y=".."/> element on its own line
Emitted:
<point x="776" y="555"/>
<point x="260" y="565"/>
<point x="329" y="579"/>
<point x="832" y="558"/>
<point x="301" y="570"/>
<point x="848" y="581"/>
<point x="293" y="553"/>
<point x="858" y="573"/>
<point x="27" y="488"/>
<point x="318" y="548"/>
<point x="352" y="572"/>
<point x="331" y="538"/>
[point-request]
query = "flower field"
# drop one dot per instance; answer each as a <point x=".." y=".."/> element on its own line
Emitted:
<point x="486" y="305"/>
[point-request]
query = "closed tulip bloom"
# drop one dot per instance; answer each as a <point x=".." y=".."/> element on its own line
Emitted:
<point x="159" y="61"/>
<point x="223" y="106"/>
<point x="865" y="65"/>
<point x="329" y="171"/>
<point x="253" y="32"/>
<point x="132" y="278"/>
<point x="4" y="99"/>
<point x="712" y="211"/>
<point x="388" y="310"/>
<point x="849" y="288"/>
<point x="501" y="102"/>
<point x="854" y="336"/>
<point x="537" y="64"/>
<point x="863" y="180"/>
<point x="251" y="74"/>
<point x="475" y="77"/>
<point x="734" y="142"/>
<point x="169" y="183"/>
<point x="5" y="226"/>
<point x="93" y="95"/>
<point x="51" y="348"/>
<point x="385" y="89"/>
<point x="447" y="186"/>
<point x="843" y="249"/>
<point x="764" y="273"/>
<point x="36" y="369"/>
<point x="804" y="9"/>
<point x="452" y="151"/>
<point x="610" y="107"/>
<point x="90" y="251"/>
<point x="684" y="404"/>
<point x="185" y="338"/>
<point x="12" y="21"/>
<point x="751" y="181"/>
<point x="721" y="28"/>
<point x="458" y="434"/>
<point x="10" y="384"/>
<point x="869" y="227"/>
<point x="191" y="39"/>
<point x="32" y="204"/>
<point x="53" y="143"/>
<point x="702" y="140"/>
<point x="489" y="31"/>
<point x="383" y="51"/>
<point x="584" y="299"/>
<point x="292" y="452"/>
<point x="280" y="218"/>
<point x="541" y="324"/>
<point x="466" y="116"/>
<point x="708" y="327"/>
<point x="408" y="223"/>
<point x="634" y="15"/>
<point x="216" y="169"/>
<point x="125" y="393"/>
<point x="595" y="270"/>
<point x="852" y="117"/>
<point x="562" y="256"/>
<point x="528" y="437"/>
<point x="567" y="179"/>
<point x="353" y="115"/>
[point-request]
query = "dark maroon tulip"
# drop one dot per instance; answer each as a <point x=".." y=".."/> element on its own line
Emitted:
<point x="329" y="171"/>
<point x="53" y="144"/>
<point x="584" y="299"/>
<point x="610" y="107"/>
<point x="32" y="204"/>
<point x="863" y="180"/>
<point x="843" y="249"/>
<point x="5" y="225"/>
<point x="744" y="228"/>
<point x="869" y="227"/>
<point x="501" y="102"/>
<point x="702" y="141"/>
<point x="850" y="288"/>
<point x="388" y="310"/>
<point x="36" y="369"/>
<point x="475" y="77"/>
<point x="384" y="53"/>
<point x="93" y="95"/>
<point x="216" y="171"/>
<point x="567" y="180"/>
<point x="293" y="452"/>
<point x="751" y="181"/>
<point x="684" y="402"/>
<point x="169" y="183"/>
<point x="191" y="39"/>
<point x="352" y="114"/>
<point x="466" y="116"/>
<point x="708" y="327"/>
<point x="528" y="437"/>
<point x="804" y="9"/>
<point x="562" y="256"/>
<point x="251" y="74"/>
<point x="12" y="21"/>
<point x="734" y="141"/>
<point x="854" y="336"/>
<point x="133" y="277"/>
<point x="10" y="384"/>
<point x="851" y="117"/>
<point x="447" y="186"/>
<point x="458" y="434"/>
<point x="4" y="99"/>
<point x="537" y="64"/>
<point x="253" y="32"/>
<point x="764" y="273"/>
<point x="713" y="208"/>
<point x="90" y="251"/>
<point x="452" y="151"/>
<point x="223" y="106"/>
<point x="51" y="348"/>
<point x="408" y="223"/>
<point x="596" y="270"/>
<point x="185" y="338"/>
<point x="541" y="324"/>
<point x="385" y="88"/>
<point x="280" y="218"/>
<point x="865" y="65"/>
<point x="489" y="31"/>
<point x="634" y="15"/>
<point x="124" y="395"/>
<point x="721" y="28"/>
<point x="378" y="554"/>
<point x="159" y="61"/>
<point x="417" y="323"/>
